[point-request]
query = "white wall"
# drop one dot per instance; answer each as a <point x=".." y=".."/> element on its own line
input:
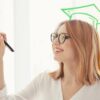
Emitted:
<point x="22" y="43"/>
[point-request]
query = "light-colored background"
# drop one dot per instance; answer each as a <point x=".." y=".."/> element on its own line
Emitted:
<point x="28" y="24"/>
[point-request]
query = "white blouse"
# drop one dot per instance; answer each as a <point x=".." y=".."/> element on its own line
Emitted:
<point x="43" y="87"/>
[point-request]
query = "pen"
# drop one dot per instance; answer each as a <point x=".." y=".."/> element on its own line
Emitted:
<point x="11" y="49"/>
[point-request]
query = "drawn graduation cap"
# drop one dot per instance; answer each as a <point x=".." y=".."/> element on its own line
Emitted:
<point x="87" y="12"/>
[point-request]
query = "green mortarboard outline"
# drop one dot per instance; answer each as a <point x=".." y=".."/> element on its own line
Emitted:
<point x="70" y="14"/>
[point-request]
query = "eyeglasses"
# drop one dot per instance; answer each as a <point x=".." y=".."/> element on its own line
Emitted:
<point x="61" y="37"/>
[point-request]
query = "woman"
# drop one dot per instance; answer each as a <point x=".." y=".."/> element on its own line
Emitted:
<point x="75" y="45"/>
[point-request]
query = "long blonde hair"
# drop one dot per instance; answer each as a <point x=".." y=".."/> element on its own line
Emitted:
<point x="85" y="40"/>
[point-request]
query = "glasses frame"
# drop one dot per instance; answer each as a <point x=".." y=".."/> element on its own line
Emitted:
<point x="58" y="36"/>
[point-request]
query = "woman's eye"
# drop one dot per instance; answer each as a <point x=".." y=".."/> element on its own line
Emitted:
<point x="55" y="36"/>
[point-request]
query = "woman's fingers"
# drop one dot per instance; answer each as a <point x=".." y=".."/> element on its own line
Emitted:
<point x="4" y="36"/>
<point x="2" y="44"/>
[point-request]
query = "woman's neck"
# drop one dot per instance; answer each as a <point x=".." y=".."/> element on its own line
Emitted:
<point x="70" y="71"/>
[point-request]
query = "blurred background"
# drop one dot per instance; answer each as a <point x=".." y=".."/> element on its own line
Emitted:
<point x="28" y="25"/>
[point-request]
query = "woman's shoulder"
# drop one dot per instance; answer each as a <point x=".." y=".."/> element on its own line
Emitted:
<point x="97" y="85"/>
<point x="44" y="80"/>
<point x="94" y="88"/>
<point x="44" y="76"/>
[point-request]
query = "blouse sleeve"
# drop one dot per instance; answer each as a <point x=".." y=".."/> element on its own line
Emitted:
<point x="28" y="93"/>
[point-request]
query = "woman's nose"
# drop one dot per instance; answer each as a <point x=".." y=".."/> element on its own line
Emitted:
<point x="56" y="42"/>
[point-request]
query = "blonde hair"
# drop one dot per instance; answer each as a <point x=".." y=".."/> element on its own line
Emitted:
<point x="86" y="42"/>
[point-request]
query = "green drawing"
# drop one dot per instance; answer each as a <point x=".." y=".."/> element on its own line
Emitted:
<point x="90" y="11"/>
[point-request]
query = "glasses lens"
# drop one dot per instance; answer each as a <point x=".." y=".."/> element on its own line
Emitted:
<point x="61" y="38"/>
<point x="53" y="36"/>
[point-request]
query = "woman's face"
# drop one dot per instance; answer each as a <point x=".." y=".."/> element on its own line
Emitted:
<point x="63" y="52"/>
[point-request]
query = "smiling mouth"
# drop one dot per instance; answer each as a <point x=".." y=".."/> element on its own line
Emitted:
<point x="58" y="50"/>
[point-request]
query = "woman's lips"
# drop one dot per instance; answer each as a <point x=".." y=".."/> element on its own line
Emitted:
<point x="58" y="50"/>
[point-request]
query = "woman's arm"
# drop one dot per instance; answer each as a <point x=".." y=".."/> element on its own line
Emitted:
<point x="29" y="92"/>
<point x="2" y="50"/>
<point x="1" y="75"/>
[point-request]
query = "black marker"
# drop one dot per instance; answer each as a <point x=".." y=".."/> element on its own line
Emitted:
<point x="11" y="49"/>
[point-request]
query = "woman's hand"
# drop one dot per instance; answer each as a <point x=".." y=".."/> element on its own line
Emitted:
<point x="2" y="50"/>
<point x="2" y="45"/>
